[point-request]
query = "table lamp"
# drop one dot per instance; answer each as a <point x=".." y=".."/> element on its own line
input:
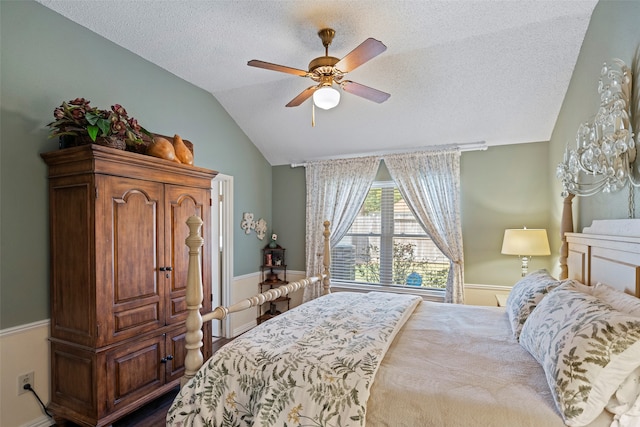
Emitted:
<point x="525" y="243"/>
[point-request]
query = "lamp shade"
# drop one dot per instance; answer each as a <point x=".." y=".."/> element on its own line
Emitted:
<point x="526" y="242"/>
<point x="326" y="97"/>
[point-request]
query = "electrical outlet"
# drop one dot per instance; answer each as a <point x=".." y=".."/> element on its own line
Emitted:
<point x="24" y="380"/>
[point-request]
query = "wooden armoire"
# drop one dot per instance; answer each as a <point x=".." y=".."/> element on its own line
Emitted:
<point x="118" y="272"/>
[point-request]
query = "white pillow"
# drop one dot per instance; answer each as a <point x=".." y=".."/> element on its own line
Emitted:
<point x="626" y="395"/>
<point x="629" y="418"/>
<point x="617" y="299"/>
<point x="525" y="295"/>
<point x="586" y="348"/>
<point x="578" y="286"/>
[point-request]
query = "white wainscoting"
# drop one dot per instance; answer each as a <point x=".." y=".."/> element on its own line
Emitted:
<point x="478" y="294"/>
<point x="24" y="349"/>
<point x="246" y="286"/>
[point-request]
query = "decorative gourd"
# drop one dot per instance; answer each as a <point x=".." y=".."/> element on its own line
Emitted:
<point x="162" y="148"/>
<point x="182" y="151"/>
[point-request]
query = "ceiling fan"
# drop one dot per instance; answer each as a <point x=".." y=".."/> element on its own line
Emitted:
<point x="327" y="70"/>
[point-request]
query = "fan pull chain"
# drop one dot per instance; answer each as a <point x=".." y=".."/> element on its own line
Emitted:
<point x="313" y="115"/>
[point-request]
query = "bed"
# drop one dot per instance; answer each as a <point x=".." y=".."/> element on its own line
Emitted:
<point x="562" y="352"/>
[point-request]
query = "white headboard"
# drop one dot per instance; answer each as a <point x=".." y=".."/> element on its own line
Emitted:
<point x="609" y="252"/>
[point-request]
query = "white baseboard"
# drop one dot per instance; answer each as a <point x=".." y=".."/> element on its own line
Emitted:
<point x="43" y="421"/>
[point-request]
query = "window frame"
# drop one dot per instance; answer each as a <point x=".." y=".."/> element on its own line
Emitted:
<point x="386" y="244"/>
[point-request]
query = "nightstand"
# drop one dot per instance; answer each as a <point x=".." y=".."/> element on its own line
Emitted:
<point x="501" y="299"/>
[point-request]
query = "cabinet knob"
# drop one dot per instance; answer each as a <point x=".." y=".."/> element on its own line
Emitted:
<point x="166" y="269"/>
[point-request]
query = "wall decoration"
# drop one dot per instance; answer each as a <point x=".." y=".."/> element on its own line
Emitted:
<point x="605" y="147"/>
<point x="247" y="223"/>
<point x="261" y="228"/>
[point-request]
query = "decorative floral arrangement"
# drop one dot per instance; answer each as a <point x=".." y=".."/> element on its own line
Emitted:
<point x="78" y="118"/>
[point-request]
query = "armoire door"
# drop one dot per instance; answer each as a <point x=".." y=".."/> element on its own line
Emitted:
<point x="180" y="204"/>
<point x="129" y="252"/>
<point x="135" y="370"/>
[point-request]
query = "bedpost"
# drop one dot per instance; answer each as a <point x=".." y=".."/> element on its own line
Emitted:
<point x="193" y="339"/>
<point x="566" y="226"/>
<point x="326" y="260"/>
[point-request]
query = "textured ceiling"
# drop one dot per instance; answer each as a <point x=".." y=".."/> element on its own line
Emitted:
<point x="458" y="71"/>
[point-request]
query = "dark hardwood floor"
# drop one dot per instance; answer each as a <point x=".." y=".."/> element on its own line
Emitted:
<point x="154" y="413"/>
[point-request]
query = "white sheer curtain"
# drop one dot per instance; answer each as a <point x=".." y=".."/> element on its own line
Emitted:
<point x="336" y="190"/>
<point x="430" y="184"/>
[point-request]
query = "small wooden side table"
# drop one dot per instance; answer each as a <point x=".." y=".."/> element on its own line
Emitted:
<point x="501" y="299"/>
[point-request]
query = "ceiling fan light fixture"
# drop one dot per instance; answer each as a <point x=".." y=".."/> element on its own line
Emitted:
<point x="326" y="97"/>
<point x="327" y="71"/>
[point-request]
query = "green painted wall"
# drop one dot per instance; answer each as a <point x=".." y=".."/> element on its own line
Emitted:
<point x="289" y="207"/>
<point x="46" y="59"/>
<point x="502" y="187"/>
<point x="498" y="192"/>
<point x="613" y="32"/>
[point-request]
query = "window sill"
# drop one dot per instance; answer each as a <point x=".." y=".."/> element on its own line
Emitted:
<point x="435" y="295"/>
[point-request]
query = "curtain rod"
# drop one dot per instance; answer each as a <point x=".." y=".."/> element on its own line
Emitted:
<point x="469" y="146"/>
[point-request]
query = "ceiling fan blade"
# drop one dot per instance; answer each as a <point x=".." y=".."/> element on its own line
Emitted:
<point x="276" y="67"/>
<point x="303" y="96"/>
<point x="366" y="92"/>
<point x="368" y="49"/>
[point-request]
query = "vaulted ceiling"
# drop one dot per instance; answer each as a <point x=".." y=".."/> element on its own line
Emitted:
<point x="458" y="72"/>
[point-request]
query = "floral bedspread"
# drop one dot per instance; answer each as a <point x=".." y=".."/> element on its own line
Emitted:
<point x="311" y="366"/>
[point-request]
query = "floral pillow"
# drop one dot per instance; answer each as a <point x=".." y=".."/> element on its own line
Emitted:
<point x="525" y="295"/>
<point x="586" y="348"/>
<point x="617" y="299"/>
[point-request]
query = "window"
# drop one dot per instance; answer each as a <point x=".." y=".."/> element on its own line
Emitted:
<point x="386" y="245"/>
